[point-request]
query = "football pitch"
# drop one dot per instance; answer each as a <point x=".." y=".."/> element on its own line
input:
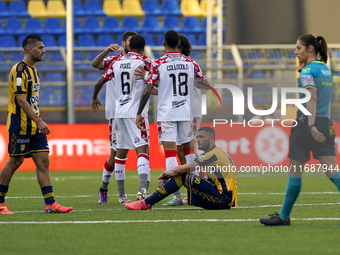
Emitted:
<point x="111" y="229"/>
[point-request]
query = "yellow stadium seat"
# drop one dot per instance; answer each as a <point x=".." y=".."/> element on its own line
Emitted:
<point x="132" y="8"/>
<point x="56" y="8"/>
<point x="37" y="9"/>
<point x="191" y="8"/>
<point x="112" y="8"/>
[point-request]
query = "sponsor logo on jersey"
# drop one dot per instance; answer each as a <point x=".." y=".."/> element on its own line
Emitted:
<point x="176" y="104"/>
<point x="306" y="70"/>
<point x="125" y="101"/>
<point x="27" y="140"/>
<point x="326" y="72"/>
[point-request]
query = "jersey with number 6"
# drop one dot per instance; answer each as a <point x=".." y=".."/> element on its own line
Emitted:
<point x="110" y="96"/>
<point x="128" y="89"/>
<point x="174" y="74"/>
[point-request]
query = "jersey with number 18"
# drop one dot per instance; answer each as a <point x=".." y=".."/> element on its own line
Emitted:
<point x="174" y="74"/>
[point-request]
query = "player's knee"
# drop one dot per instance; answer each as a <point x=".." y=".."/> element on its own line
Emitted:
<point x="15" y="162"/>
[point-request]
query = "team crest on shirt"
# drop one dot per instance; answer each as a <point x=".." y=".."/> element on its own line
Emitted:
<point x="22" y="147"/>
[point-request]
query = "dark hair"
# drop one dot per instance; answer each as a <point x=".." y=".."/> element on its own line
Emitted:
<point x="209" y="130"/>
<point x="171" y="38"/>
<point x="127" y="34"/>
<point x="185" y="46"/>
<point x="31" y="38"/>
<point x="319" y="43"/>
<point x="137" y="42"/>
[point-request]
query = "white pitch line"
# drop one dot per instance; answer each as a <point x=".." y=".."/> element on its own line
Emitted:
<point x="242" y="194"/>
<point x="156" y="221"/>
<point x="185" y="208"/>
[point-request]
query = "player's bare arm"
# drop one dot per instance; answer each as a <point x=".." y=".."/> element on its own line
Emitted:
<point x="98" y="61"/>
<point x="42" y="126"/>
<point x="95" y="101"/>
<point x="176" y="171"/>
<point x="144" y="99"/>
<point x="311" y="107"/>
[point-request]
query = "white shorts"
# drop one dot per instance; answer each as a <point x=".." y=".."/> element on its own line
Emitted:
<point x="129" y="136"/>
<point x="196" y="123"/>
<point x="112" y="134"/>
<point x="168" y="131"/>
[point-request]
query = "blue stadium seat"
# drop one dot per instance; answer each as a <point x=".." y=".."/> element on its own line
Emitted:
<point x="152" y="8"/>
<point x="56" y="62"/>
<point x="105" y="40"/>
<point x="192" y="39"/>
<point x="86" y="41"/>
<point x="151" y="25"/>
<point x="196" y="55"/>
<point x="83" y="95"/>
<point x="131" y="24"/>
<point x="18" y="9"/>
<point x="2" y="30"/>
<point x="290" y="54"/>
<point x="79" y="61"/>
<point x="62" y="41"/>
<point x="160" y="40"/>
<point x="8" y="41"/>
<point x="56" y="57"/>
<point x="191" y="25"/>
<point x="54" y="27"/>
<point x="33" y="25"/>
<point x="149" y="40"/>
<point x="94" y="8"/>
<point x="171" y="23"/>
<point x="171" y="7"/>
<point x="92" y="76"/>
<point x="16" y="58"/>
<point x="111" y="25"/>
<point x="3" y="63"/>
<point x="91" y="26"/>
<point x="13" y="27"/>
<point x="202" y="39"/>
<point x="77" y="28"/>
<point x="49" y="41"/>
<point x="78" y="9"/>
<point x="55" y="77"/>
<point x="52" y="96"/>
<point x="78" y="76"/>
<point x="4" y="13"/>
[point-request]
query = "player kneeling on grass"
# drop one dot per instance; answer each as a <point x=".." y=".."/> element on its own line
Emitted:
<point x="218" y="191"/>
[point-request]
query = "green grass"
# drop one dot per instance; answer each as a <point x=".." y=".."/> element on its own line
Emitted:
<point x="85" y="231"/>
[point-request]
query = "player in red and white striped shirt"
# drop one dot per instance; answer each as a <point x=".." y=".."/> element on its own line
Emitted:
<point x="102" y="62"/>
<point x="174" y="75"/>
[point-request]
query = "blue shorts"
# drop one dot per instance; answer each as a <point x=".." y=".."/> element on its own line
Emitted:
<point x="24" y="145"/>
<point x="203" y="194"/>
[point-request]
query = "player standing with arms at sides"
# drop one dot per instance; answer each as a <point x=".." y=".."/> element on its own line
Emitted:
<point x="218" y="191"/>
<point x="27" y="131"/>
<point x="314" y="132"/>
<point x="128" y="93"/>
<point x="102" y="62"/>
<point x="174" y="76"/>
<point x="196" y="98"/>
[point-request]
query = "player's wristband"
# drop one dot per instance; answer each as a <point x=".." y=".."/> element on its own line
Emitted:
<point x="310" y="126"/>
